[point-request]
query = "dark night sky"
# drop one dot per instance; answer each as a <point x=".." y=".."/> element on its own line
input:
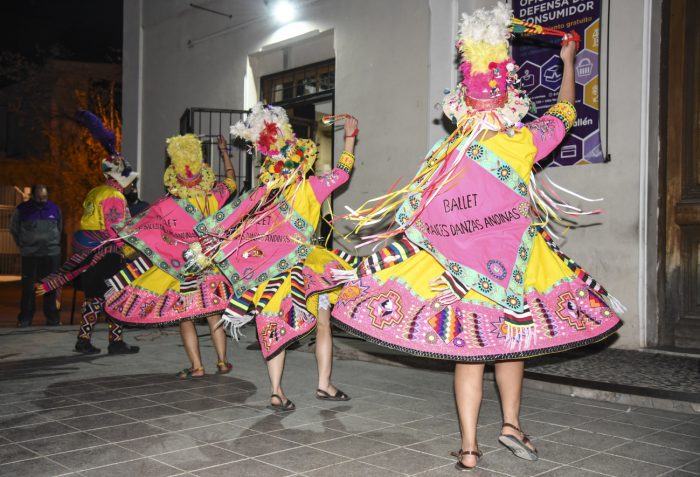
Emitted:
<point x="91" y="30"/>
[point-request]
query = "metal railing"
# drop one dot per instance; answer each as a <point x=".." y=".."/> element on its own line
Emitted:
<point x="208" y="124"/>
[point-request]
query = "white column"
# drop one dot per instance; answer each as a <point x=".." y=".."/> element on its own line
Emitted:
<point x="132" y="84"/>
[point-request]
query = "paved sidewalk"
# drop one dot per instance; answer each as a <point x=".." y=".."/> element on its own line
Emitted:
<point x="67" y="414"/>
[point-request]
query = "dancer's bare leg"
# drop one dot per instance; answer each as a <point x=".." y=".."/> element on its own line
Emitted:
<point x="469" y="384"/>
<point x="509" y="378"/>
<point x="218" y="337"/>
<point x="275" y="368"/>
<point x="324" y="351"/>
<point x="188" y="333"/>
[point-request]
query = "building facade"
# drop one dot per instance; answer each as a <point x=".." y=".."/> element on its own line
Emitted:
<point x="393" y="60"/>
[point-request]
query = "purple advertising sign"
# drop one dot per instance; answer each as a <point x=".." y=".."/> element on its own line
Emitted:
<point x="541" y="71"/>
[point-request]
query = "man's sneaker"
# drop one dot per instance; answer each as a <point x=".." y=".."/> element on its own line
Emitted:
<point x="85" y="347"/>
<point x="120" y="347"/>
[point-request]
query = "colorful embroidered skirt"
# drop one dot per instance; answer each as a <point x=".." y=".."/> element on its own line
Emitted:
<point x="154" y="297"/>
<point x="399" y="307"/>
<point x="286" y="307"/>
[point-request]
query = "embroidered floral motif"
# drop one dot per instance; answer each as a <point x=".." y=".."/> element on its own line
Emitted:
<point x="496" y="269"/>
<point x="518" y="276"/>
<point x="513" y="301"/>
<point x="329" y="178"/>
<point x="522" y="253"/>
<point x="504" y="173"/>
<point x="475" y="152"/>
<point x="543" y="127"/>
<point x="524" y="209"/>
<point x="485" y="285"/>
<point x="113" y="215"/>
<point x="522" y="189"/>
<point x="456" y="268"/>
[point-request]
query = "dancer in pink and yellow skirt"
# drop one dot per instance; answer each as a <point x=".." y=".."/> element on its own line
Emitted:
<point x="474" y="276"/>
<point x="156" y="288"/>
<point x="263" y="243"/>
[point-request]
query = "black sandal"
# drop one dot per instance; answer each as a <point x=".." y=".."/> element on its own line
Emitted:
<point x="517" y="446"/>
<point x="324" y="396"/>
<point x="287" y="405"/>
<point x="465" y="468"/>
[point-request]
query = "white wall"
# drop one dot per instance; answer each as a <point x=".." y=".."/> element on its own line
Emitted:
<point x="391" y="68"/>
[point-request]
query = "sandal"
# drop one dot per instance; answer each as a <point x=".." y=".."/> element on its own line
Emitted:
<point x="338" y="396"/>
<point x="224" y="367"/>
<point x="287" y="405"/>
<point x="519" y="447"/>
<point x="465" y="468"/>
<point x="187" y="373"/>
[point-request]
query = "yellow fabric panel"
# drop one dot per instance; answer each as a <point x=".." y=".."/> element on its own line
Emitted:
<point x="93" y="217"/>
<point x="545" y="268"/>
<point x="519" y="151"/>
<point x="317" y="261"/>
<point x="275" y="303"/>
<point x="206" y="205"/>
<point x="418" y="271"/>
<point x="305" y="203"/>
<point x="320" y="257"/>
<point x="157" y="281"/>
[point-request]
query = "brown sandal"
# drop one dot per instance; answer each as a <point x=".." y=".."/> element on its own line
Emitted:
<point x="519" y="447"/>
<point x="465" y="468"/>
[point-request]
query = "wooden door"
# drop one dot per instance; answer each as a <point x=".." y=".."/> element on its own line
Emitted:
<point x="680" y="177"/>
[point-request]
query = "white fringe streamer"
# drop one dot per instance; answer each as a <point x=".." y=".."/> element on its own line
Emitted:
<point x="233" y="322"/>
<point x="343" y="276"/>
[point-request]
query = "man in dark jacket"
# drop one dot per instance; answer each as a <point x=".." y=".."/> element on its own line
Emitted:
<point x="36" y="227"/>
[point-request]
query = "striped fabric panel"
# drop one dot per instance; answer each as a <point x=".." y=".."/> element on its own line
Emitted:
<point x="270" y="290"/>
<point x="298" y="295"/>
<point x="389" y="256"/>
<point x="352" y="260"/>
<point x="240" y="305"/>
<point x="75" y="265"/>
<point x="575" y="267"/>
<point x="128" y="274"/>
<point x="456" y="286"/>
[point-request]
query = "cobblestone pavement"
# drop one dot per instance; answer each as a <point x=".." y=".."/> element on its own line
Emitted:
<point x="67" y="414"/>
